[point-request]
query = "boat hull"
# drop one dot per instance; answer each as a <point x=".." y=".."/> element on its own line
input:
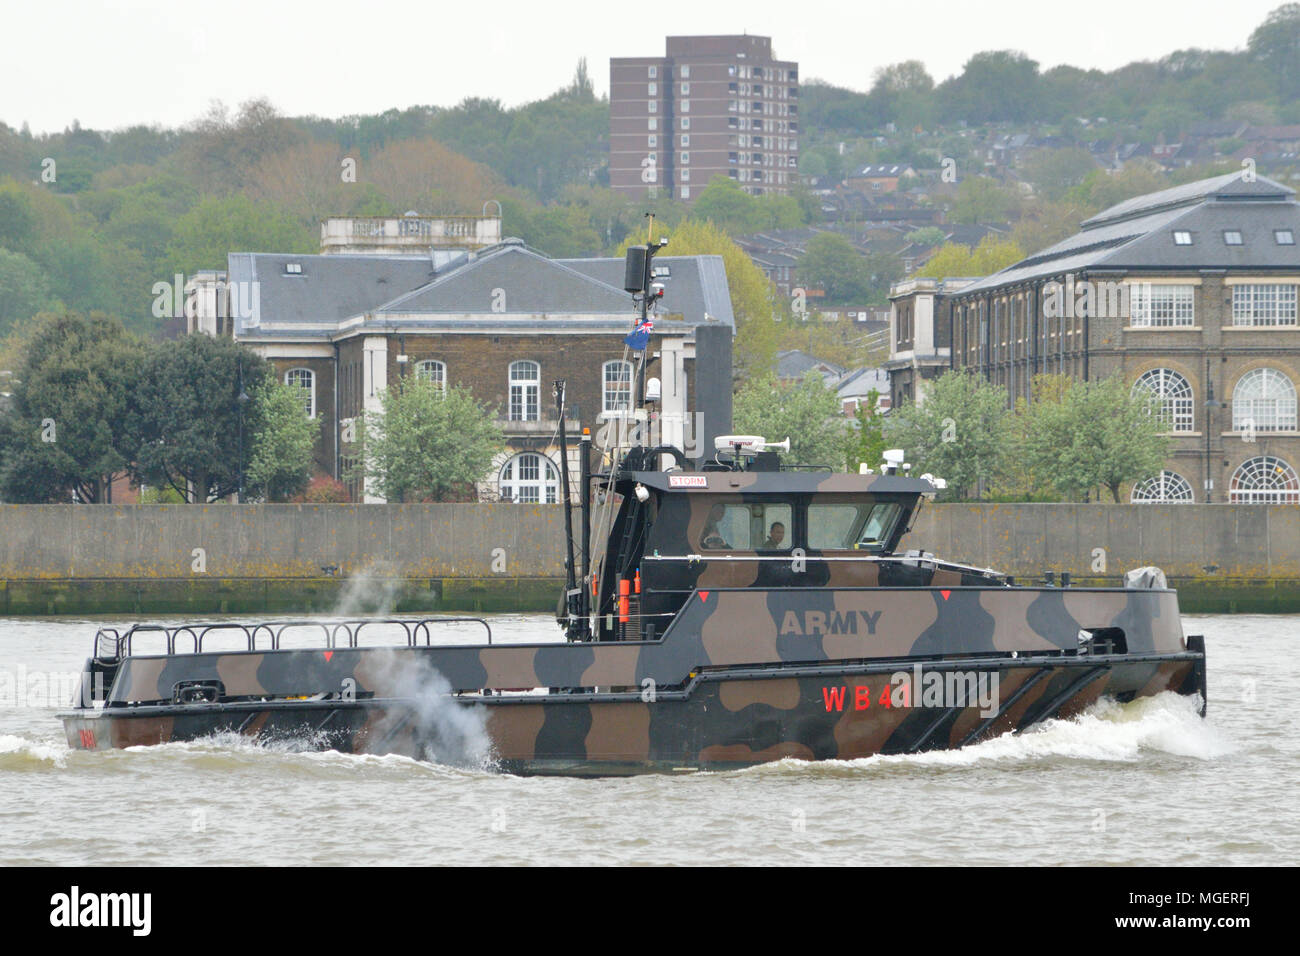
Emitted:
<point x="722" y="718"/>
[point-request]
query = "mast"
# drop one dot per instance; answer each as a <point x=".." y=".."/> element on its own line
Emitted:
<point x="569" y="584"/>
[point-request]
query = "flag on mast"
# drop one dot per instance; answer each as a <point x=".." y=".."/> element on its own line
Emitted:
<point x="639" y="337"/>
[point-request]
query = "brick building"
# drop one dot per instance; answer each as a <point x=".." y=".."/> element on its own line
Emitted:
<point x="504" y="322"/>
<point x="1189" y="293"/>
<point x="711" y="106"/>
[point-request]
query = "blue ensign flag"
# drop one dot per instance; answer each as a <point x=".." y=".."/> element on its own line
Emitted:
<point x="639" y="337"/>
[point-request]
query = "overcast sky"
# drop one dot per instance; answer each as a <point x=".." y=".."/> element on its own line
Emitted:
<point x="122" y="62"/>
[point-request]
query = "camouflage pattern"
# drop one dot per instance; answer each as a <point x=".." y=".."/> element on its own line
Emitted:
<point x="728" y="659"/>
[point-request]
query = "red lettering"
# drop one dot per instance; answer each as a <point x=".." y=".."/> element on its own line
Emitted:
<point x="861" y="697"/>
<point x="87" y="739"/>
<point x="885" y="699"/>
<point x="833" y="695"/>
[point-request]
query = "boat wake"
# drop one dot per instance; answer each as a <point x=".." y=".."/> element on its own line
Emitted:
<point x="19" y="754"/>
<point x="1122" y="733"/>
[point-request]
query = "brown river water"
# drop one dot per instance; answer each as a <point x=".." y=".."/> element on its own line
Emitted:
<point x="1146" y="783"/>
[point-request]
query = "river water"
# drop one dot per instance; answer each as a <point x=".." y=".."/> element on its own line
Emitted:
<point x="1147" y="783"/>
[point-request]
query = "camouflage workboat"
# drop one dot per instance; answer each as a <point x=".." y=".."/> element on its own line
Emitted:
<point x="738" y="614"/>
<point x="723" y="612"/>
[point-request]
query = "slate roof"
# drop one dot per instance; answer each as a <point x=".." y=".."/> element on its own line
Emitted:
<point x="1137" y="235"/>
<point x="458" y="288"/>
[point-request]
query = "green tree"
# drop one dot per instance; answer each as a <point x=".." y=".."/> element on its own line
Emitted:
<point x="1096" y="434"/>
<point x="807" y="412"/>
<point x="427" y="444"/>
<point x="953" y="259"/>
<point x="24" y="289"/>
<point x="830" y="263"/>
<point x="188" y="418"/>
<point x="218" y="226"/>
<point x="980" y="200"/>
<point x="957" y="432"/>
<point x="866" y="442"/>
<point x="66" y="433"/>
<point x="1276" y="44"/>
<point x="280" y="457"/>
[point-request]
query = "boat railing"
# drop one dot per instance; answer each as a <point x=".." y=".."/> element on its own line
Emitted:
<point x="270" y="636"/>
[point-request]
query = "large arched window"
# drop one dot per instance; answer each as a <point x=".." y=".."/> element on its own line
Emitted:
<point x="1264" y="401"/>
<point x="1168" y="487"/>
<point x="1264" y="481"/>
<point x="1170" y="398"/>
<point x="433" y="371"/>
<point x="305" y="379"/>
<point x="525" y="391"/>
<point x="617" y="394"/>
<point x="530" y="477"/>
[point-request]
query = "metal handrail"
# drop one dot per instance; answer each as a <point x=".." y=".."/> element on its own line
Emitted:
<point x="333" y="633"/>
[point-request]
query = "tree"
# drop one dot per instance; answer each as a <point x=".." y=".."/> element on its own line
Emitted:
<point x="958" y="432"/>
<point x="283" y="437"/>
<point x="753" y="298"/>
<point x="219" y="226"/>
<point x="24" y="289"/>
<point x="187" y="418"/>
<point x="1097" y="433"/>
<point x="1054" y="171"/>
<point x="428" y="444"/>
<point x="1276" y="44"/>
<point x="866" y="443"/>
<point x="66" y="433"/>
<point x="953" y="259"/>
<point x="830" y="263"/>
<point x="980" y="199"/>
<point x="807" y="412"/>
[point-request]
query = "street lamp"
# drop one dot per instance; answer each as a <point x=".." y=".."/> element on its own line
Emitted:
<point x="241" y="401"/>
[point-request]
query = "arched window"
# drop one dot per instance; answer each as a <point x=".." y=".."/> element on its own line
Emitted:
<point x="1168" y="487"/>
<point x="1264" y="401"/>
<point x="525" y="391"/>
<point x="433" y="371"/>
<point x="1170" y="398"/>
<point x="1264" y="481"/>
<point x="305" y="379"/>
<point x="617" y="387"/>
<point x="530" y="477"/>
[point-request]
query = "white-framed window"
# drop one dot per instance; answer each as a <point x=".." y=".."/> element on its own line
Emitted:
<point x="1264" y="481"/>
<point x="1182" y="237"/>
<point x="616" y="393"/>
<point x="686" y="192"/>
<point x="1168" y="487"/>
<point x="1162" y="306"/>
<point x="686" y="89"/>
<point x="530" y="478"/>
<point x="652" y="89"/>
<point x="1170" y="397"/>
<point x="1232" y="237"/>
<point x="686" y="139"/>
<point x="525" y="391"/>
<point x="652" y="72"/>
<point x="686" y="73"/>
<point x="652" y="141"/>
<point x="686" y="122"/>
<point x="1264" y="304"/>
<point x="652" y="106"/>
<point x="431" y="370"/>
<point x="305" y="379"/>
<point x="686" y="175"/>
<point x="1264" y="400"/>
<point x="686" y="158"/>
<point x="1284" y="237"/>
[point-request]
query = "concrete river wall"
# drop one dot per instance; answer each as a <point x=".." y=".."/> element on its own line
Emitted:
<point x="133" y="559"/>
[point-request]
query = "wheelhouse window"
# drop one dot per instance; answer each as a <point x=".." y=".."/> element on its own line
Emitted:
<point x="305" y="379"/>
<point x="525" y="391"/>
<point x="748" y="526"/>
<point x="617" y="394"/>
<point x="851" y="525"/>
<point x="530" y="478"/>
<point x="433" y="371"/>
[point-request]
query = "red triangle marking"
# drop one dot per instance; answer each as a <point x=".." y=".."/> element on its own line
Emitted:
<point x="945" y="594"/>
<point x="704" y="595"/>
<point x="328" y="655"/>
